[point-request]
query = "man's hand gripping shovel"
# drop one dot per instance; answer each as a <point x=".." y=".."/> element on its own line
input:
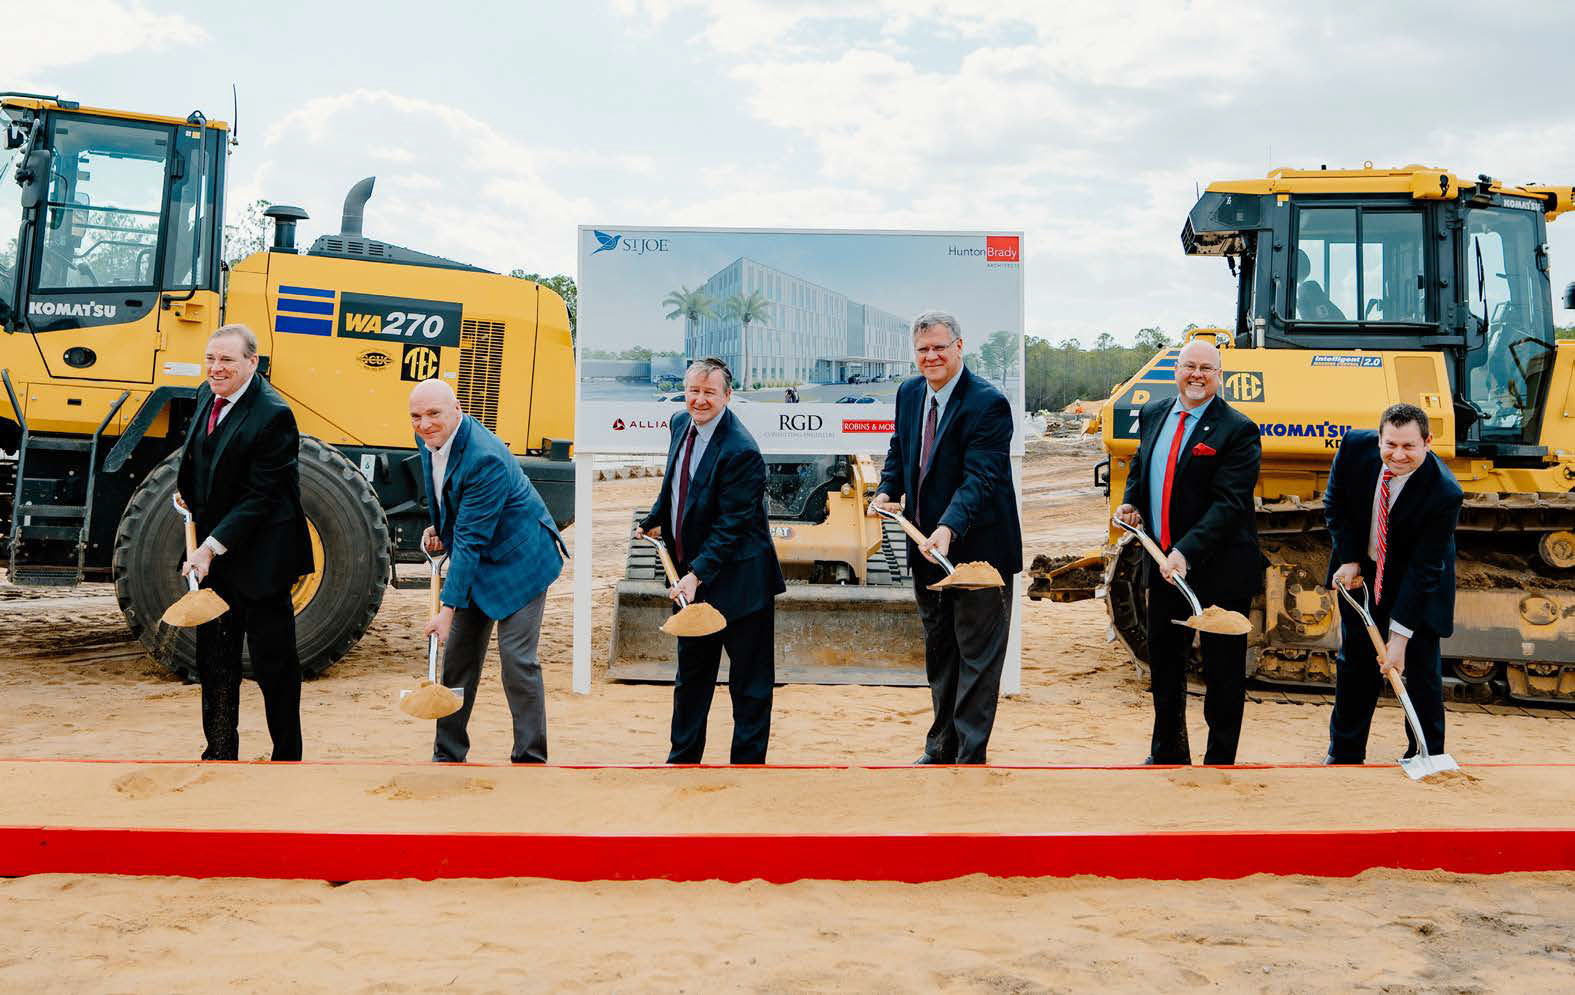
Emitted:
<point x="1216" y="619"/>
<point x="199" y="604"/>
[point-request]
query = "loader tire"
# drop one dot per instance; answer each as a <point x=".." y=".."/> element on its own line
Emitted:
<point x="333" y="606"/>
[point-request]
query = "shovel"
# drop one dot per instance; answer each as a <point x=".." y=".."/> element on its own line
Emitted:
<point x="1216" y="619"/>
<point x="1423" y="764"/>
<point x="975" y="576"/>
<point x="199" y="604"/>
<point x="431" y="700"/>
<point x="697" y="619"/>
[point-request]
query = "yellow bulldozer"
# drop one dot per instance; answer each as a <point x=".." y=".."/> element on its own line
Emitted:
<point x="1357" y="289"/>
<point x="110" y="284"/>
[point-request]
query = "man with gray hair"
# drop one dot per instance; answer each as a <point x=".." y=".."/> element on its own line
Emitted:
<point x="240" y="479"/>
<point x="950" y="459"/>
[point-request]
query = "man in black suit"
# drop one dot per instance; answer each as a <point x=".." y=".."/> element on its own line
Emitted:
<point x="239" y="478"/>
<point x="950" y="459"/>
<point x="712" y="517"/>
<point x="1192" y="480"/>
<point x="1392" y="507"/>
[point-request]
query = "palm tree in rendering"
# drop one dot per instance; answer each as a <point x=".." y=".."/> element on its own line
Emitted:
<point x="745" y="310"/>
<point x="692" y="305"/>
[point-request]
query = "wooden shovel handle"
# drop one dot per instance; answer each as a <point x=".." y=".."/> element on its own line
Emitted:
<point x="913" y="533"/>
<point x="1150" y="545"/>
<point x="667" y="563"/>
<point x="191" y="536"/>
<point x="1394" y="680"/>
<point x="1372" y="630"/>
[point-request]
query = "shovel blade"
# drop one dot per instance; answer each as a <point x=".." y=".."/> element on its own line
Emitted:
<point x="976" y="575"/>
<point x="1421" y="767"/>
<point x="698" y="619"/>
<point x="430" y="701"/>
<point x="195" y="608"/>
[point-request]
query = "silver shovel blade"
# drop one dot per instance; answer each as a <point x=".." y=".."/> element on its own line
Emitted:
<point x="1422" y="765"/>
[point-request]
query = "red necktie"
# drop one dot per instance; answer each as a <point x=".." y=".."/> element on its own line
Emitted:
<point x="683" y="493"/>
<point x="1383" y="532"/>
<point x="213" y="413"/>
<point x="924" y="451"/>
<point x="1170" y="478"/>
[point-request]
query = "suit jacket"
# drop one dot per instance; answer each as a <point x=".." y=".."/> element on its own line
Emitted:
<point x="1419" y="561"/>
<point x="726" y="532"/>
<point x="243" y="487"/>
<point x="968" y="484"/>
<point x="503" y="548"/>
<point x="1211" y="507"/>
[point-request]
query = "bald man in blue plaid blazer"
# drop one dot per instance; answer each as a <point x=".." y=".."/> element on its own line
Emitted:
<point x="504" y="552"/>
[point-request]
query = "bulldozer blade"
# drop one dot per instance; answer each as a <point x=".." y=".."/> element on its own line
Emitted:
<point x="430" y="701"/>
<point x="972" y="576"/>
<point x="697" y="619"/>
<point x="195" y="608"/>
<point x="825" y="634"/>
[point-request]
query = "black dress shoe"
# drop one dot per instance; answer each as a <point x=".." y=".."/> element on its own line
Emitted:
<point x="927" y="759"/>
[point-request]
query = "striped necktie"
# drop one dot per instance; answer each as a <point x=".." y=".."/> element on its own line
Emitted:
<point x="1383" y="532"/>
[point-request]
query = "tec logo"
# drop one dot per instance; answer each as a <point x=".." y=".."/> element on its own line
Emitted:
<point x="418" y="363"/>
<point x="1244" y="386"/>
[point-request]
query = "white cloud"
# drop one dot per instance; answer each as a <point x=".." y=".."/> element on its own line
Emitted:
<point x="75" y="33"/>
<point x="449" y="183"/>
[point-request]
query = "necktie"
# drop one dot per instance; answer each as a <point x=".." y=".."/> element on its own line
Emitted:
<point x="924" y="451"/>
<point x="1383" y="532"/>
<point x="1170" y="478"/>
<point x="683" y="493"/>
<point x="213" y="413"/>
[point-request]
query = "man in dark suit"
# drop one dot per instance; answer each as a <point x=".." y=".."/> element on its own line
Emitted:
<point x="1392" y="507"/>
<point x="950" y="459"/>
<point x="711" y="515"/>
<point x="239" y="478"/>
<point x="1192" y="480"/>
<point x="504" y="552"/>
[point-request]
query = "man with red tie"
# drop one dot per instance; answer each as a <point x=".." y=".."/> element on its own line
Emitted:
<point x="240" y="478"/>
<point x="1392" y="507"/>
<point x="1193" y="478"/>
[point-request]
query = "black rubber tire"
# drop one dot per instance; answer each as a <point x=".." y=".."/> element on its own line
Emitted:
<point x="350" y="522"/>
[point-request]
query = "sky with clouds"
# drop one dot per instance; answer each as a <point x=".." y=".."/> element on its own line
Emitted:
<point x="496" y="128"/>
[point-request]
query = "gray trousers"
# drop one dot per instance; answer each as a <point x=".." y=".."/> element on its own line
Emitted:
<point x="467" y="647"/>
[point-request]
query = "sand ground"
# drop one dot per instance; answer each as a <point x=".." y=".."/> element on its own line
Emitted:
<point x="75" y="686"/>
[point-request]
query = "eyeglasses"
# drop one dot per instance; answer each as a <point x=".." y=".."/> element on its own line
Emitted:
<point x="1198" y="368"/>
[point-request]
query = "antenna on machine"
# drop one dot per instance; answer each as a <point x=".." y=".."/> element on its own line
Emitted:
<point x="235" y="117"/>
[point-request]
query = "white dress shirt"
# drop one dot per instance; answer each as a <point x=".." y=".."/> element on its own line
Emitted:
<point x="1396" y="483"/>
<point x="224" y="412"/>
<point x="440" y="470"/>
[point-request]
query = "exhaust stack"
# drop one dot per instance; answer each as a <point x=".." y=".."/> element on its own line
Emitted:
<point x="355" y="208"/>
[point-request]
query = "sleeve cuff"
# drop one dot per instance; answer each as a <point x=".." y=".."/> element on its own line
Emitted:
<point x="215" y="545"/>
<point x="1396" y="629"/>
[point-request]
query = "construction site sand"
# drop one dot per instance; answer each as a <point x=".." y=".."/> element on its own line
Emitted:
<point x="429" y="798"/>
<point x="73" y="686"/>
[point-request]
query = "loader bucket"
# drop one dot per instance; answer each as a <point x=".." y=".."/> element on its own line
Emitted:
<point x="825" y="634"/>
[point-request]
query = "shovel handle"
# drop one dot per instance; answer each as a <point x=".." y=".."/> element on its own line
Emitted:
<point x="1367" y="620"/>
<point x="918" y="537"/>
<point x="667" y="565"/>
<point x="1159" y="557"/>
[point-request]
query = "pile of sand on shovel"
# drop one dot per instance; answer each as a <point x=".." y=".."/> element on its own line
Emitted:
<point x="697" y="619"/>
<point x="973" y="575"/>
<point x="195" y="608"/>
<point x="429" y="701"/>
<point x="1220" y="621"/>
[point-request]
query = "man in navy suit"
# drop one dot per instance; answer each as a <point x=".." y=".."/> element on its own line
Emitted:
<point x="240" y="478"/>
<point x="1192" y="481"/>
<point x="1392" y="507"/>
<point x="950" y="460"/>
<point x="711" y="515"/>
<point x="504" y="552"/>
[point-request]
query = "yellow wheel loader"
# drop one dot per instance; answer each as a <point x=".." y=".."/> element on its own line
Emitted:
<point x="1357" y="289"/>
<point x="848" y="616"/>
<point x="111" y="280"/>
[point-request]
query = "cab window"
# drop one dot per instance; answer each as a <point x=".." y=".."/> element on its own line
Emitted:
<point x="105" y="207"/>
<point x="1359" y="265"/>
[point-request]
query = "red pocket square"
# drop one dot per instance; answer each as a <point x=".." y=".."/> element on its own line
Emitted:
<point x="1203" y="449"/>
